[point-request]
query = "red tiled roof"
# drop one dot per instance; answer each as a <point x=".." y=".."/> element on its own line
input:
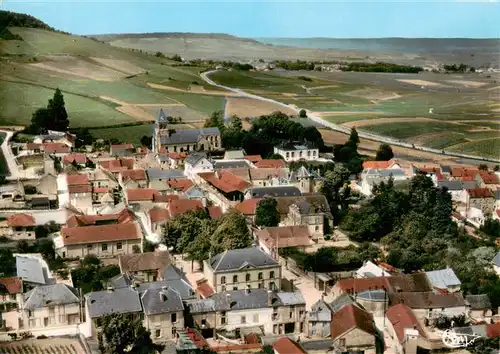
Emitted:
<point x="117" y="165"/>
<point x="247" y="207"/>
<point x="181" y="206"/>
<point x="387" y="267"/>
<point x="122" y="146"/>
<point x="349" y="317"/>
<point x="205" y="290"/>
<point x="274" y="163"/>
<point x="460" y="172"/>
<point x="33" y="146"/>
<point x="77" y="158"/>
<point x="124" y="216"/>
<point x="417" y="282"/>
<point x="493" y="330"/>
<point x="80" y="189"/>
<point x="177" y="155"/>
<point x="133" y="175"/>
<point x="101" y="190"/>
<point x="480" y="193"/>
<point x="402" y="317"/>
<point x="489" y="178"/>
<point x="140" y="194"/>
<point x="181" y="185"/>
<point x="214" y="212"/>
<point x="77" y="179"/>
<point x="287" y="236"/>
<point x="252" y="338"/>
<point x="56" y="148"/>
<point x="252" y="158"/>
<point x="158" y="198"/>
<point x="466" y="178"/>
<point x="100" y="233"/>
<point x="234" y="348"/>
<point x="285" y="345"/>
<point x="11" y="284"/>
<point x="158" y="215"/>
<point x="20" y="220"/>
<point x="225" y="181"/>
<point x="377" y="164"/>
<point x="196" y="338"/>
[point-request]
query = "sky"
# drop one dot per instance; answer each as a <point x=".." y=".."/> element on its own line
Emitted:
<point x="271" y="18"/>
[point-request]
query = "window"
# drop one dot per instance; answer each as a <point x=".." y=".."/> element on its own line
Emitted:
<point x="64" y="255"/>
<point x="30" y="313"/>
<point x="235" y="288"/>
<point x="222" y="320"/>
<point x="247" y="277"/>
<point x="271" y="274"/>
<point x="235" y="278"/>
<point x="104" y="247"/>
<point x="260" y="285"/>
<point x="342" y="342"/>
<point x="243" y="319"/>
<point x="316" y="228"/>
<point x="158" y="333"/>
<point x="287" y="154"/>
<point x="203" y="321"/>
<point x="260" y="275"/>
<point x="89" y="247"/>
<point x="174" y="332"/>
<point x="301" y="313"/>
<point x="173" y="318"/>
<point x="256" y="318"/>
<point x="223" y="280"/>
<point x="291" y="314"/>
<point x="119" y="246"/>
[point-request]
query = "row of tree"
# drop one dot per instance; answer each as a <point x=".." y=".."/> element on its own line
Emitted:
<point x="381" y="67"/>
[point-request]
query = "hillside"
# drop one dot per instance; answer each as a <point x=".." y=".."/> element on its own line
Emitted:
<point x="13" y="19"/>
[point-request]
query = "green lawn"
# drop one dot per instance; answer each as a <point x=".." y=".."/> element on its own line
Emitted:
<point x="19" y="101"/>
<point x="410" y="129"/>
<point x="339" y="119"/>
<point x="444" y="141"/>
<point x="492" y="125"/>
<point x="483" y="135"/>
<point x="131" y="134"/>
<point x="489" y="147"/>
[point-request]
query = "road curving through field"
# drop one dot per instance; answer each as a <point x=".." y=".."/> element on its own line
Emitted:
<point x="362" y="134"/>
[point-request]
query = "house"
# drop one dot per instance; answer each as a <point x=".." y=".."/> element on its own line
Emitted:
<point x="100" y="178"/>
<point x="234" y="155"/>
<point x="230" y="186"/>
<point x="104" y="236"/>
<point x="242" y="269"/>
<point x="454" y="187"/>
<point x="163" y="313"/>
<point x="21" y="227"/>
<point x="122" y="150"/>
<point x="145" y="197"/>
<point x="98" y="304"/>
<point x="265" y="177"/>
<point x="272" y="238"/>
<point x="496" y="263"/>
<point x="33" y="271"/>
<point x="460" y="172"/>
<point x="175" y="207"/>
<point x="77" y="159"/>
<point x="158" y="178"/>
<point x="145" y="267"/>
<point x="274" y="312"/>
<point x="372" y="177"/>
<point x="480" y="309"/>
<point x="381" y="165"/>
<point x="253" y="158"/>
<point x="13" y="192"/>
<point x="53" y="136"/>
<point x="306" y="181"/>
<point x="182" y="186"/>
<point x="353" y="330"/>
<point x="270" y="163"/>
<point x="319" y="319"/>
<point x="429" y="305"/>
<point x="56" y="149"/>
<point x="370" y="270"/>
<point x="489" y="180"/>
<point x="482" y="199"/>
<point x="116" y="165"/>
<point x="10" y="295"/>
<point x="279" y="191"/>
<point x="404" y="328"/>
<point x="133" y="179"/>
<point x="197" y="163"/>
<point x="444" y="279"/>
<point x="103" y="196"/>
<point x="47" y="185"/>
<point x="187" y="140"/>
<point x="285" y="345"/>
<point x="297" y="151"/>
<point x="79" y="191"/>
<point x="231" y="164"/>
<point x="52" y="305"/>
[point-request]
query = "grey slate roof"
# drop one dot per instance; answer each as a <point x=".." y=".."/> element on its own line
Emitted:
<point x="343" y="300"/>
<point x="188" y="136"/>
<point x="163" y="157"/>
<point x="280" y="191"/>
<point x="161" y="300"/>
<point x="296" y="146"/>
<point x="469" y="184"/>
<point x="443" y="278"/>
<point x="159" y="174"/>
<point x="106" y="302"/>
<point x="50" y="295"/>
<point x="31" y="270"/>
<point x="195" y="157"/>
<point x="240" y="258"/>
<point x="372" y="295"/>
<point x="478" y="302"/>
<point x="180" y="286"/>
<point x="450" y="185"/>
<point x="497" y="194"/>
<point x="236" y="300"/>
<point x="218" y="165"/>
<point x="320" y="312"/>
<point x="121" y="281"/>
<point x="445" y="169"/>
<point x="291" y="298"/>
<point x="322" y="344"/>
<point x="496" y="260"/>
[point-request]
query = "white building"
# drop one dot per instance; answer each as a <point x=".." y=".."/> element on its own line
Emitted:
<point x="297" y="151"/>
<point x="197" y="163"/>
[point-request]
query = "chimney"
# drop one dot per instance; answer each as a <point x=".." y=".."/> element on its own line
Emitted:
<point x="228" y="300"/>
<point x="269" y="298"/>
<point x="247" y="290"/>
<point x="163" y="296"/>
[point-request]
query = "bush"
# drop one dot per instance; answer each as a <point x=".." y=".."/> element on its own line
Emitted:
<point x="302" y="113"/>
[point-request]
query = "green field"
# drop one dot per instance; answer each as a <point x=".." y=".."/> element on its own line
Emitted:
<point x="410" y="129"/>
<point x="488" y="147"/>
<point x="132" y="134"/>
<point x="445" y="140"/>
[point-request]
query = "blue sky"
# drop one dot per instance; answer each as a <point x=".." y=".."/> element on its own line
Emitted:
<point x="339" y="19"/>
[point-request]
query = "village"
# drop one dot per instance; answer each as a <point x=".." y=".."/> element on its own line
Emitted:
<point x="123" y="208"/>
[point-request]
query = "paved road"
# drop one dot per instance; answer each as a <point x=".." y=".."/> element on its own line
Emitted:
<point x="9" y="157"/>
<point x="362" y="134"/>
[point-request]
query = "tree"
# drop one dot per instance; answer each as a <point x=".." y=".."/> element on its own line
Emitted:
<point x="302" y="113"/>
<point x="384" y="153"/>
<point x="231" y="233"/>
<point x="39" y="121"/>
<point x="483" y="167"/>
<point x="275" y="157"/>
<point x="353" y="140"/>
<point x="266" y="213"/>
<point x="336" y="191"/>
<point x="59" y="117"/>
<point x="147" y="141"/>
<point x="126" y="334"/>
<point x="84" y="137"/>
<point x="216" y="120"/>
<point x="496" y="168"/>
